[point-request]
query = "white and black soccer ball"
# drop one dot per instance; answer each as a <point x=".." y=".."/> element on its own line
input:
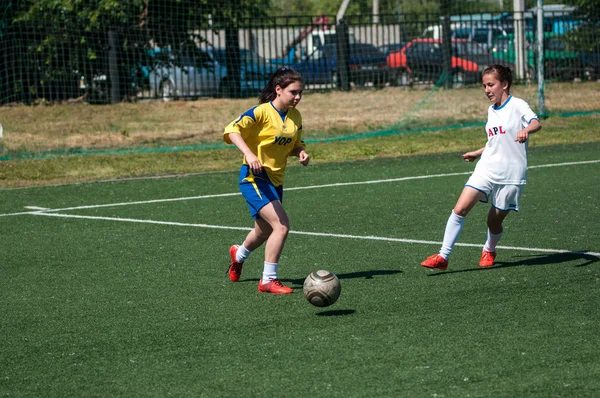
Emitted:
<point x="322" y="288"/>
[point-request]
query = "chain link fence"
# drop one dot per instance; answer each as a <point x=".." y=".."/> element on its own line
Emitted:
<point x="63" y="59"/>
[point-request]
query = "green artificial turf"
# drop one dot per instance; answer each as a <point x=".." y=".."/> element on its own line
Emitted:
<point x="142" y="306"/>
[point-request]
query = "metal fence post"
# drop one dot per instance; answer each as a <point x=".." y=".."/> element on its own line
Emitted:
<point x="447" y="51"/>
<point x="519" y="26"/>
<point x="343" y="61"/>
<point x="540" y="57"/>
<point x="113" y="67"/>
<point x="232" y="62"/>
<point x="446" y="44"/>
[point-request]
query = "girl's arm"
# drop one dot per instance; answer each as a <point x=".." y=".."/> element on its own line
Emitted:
<point x="251" y="159"/>
<point x="473" y="155"/>
<point x="533" y="127"/>
<point x="303" y="157"/>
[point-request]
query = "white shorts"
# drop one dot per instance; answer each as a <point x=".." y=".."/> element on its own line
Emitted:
<point x="504" y="197"/>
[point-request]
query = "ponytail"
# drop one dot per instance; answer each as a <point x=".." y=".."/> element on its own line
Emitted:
<point x="282" y="77"/>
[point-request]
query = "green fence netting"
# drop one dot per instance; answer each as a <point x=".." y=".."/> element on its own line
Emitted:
<point x="65" y="50"/>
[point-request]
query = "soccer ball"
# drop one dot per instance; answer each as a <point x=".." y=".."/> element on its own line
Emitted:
<point x="322" y="288"/>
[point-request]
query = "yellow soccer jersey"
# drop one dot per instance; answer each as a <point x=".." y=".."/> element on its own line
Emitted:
<point x="271" y="135"/>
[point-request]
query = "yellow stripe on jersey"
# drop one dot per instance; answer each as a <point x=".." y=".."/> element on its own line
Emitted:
<point x="270" y="135"/>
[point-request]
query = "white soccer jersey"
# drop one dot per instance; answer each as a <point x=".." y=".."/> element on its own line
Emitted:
<point x="504" y="160"/>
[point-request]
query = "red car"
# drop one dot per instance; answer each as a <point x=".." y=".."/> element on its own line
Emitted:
<point x="422" y="59"/>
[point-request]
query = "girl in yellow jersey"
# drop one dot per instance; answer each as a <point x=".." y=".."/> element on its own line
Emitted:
<point x="267" y="135"/>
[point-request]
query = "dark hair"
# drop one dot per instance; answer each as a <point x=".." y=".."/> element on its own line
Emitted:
<point x="282" y="77"/>
<point x="503" y="73"/>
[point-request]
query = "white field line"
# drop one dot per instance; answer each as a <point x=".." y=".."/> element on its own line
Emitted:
<point x="539" y="166"/>
<point x="141" y="202"/>
<point x="340" y="184"/>
<point x="344" y="236"/>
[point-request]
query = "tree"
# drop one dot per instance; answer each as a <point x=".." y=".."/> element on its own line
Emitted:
<point x="586" y="36"/>
<point x="60" y="41"/>
<point x="587" y="10"/>
<point x="386" y="7"/>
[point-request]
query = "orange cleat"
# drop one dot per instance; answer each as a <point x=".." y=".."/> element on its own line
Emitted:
<point x="487" y="259"/>
<point x="235" y="269"/>
<point x="435" y="261"/>
<point x="274" y="286"/>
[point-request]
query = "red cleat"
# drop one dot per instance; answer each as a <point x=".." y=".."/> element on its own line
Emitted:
<point x="435" y="261"/>
<point x="274" y="286"/>
<point x="235" y="269"/>
<point x="487" y="259"/>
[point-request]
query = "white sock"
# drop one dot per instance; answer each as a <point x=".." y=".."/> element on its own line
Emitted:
<point x="453" y="227"/>
<point x="242" y="254"/>
<point x="492" y="241"/>
<point x="269" y="272"/>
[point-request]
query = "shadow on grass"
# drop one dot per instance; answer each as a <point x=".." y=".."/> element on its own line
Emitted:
<point x="335" y="313"/>
<point x="353" y="275"/>
<point x="350" y="275"/>
<point x="539" y="259"/>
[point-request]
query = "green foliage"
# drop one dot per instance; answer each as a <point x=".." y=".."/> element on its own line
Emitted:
<point x="585" y="36"/>
<point x="586" y="9"/>
<point x="75" y="33"/>
<point x="365" y="7"/>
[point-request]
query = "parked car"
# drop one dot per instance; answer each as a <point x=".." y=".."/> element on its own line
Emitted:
<point x="255" y="72"/>
<point x="422" y="59"/>
<point x="559" y="62"/>
<point x="483" y="34"/>
<point x="590" y="62"/>
<point x="308" y="41"/>
<point x="203" y="72"/>
<point x="391" y="47"/>
<point x="367" y="65"/>
<point x="192" y="73"/>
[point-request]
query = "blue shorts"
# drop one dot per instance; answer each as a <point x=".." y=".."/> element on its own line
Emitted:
<point x="258" y="190"/>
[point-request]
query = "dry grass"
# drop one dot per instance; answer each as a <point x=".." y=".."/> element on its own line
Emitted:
<point x="69" y="169"/>
<point x="28" y="128"/>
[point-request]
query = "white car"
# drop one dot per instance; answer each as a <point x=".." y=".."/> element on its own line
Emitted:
<point x="203" y="73"/>
<point x="193" y="74"/>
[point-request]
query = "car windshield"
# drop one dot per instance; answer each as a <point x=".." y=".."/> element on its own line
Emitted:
<point x="247" y="56"/>
<point x="187" y="60"/>
<point x="468" y="48"/>
<point x="481" y="35"/>
<point x="331" y="39"/>
<point x="555" y="44"/>
<point x="502" y="45"/>
<point x="252" y="57"/>
<point x="219" y="55"/>
<point x="199" y="59"/>
<point x="462" y="33"/>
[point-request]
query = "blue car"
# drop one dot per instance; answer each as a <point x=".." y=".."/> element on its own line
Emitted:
<point x="367" y="65"/>
<point x="591" y="65"/>
<point x="255" y="72"/>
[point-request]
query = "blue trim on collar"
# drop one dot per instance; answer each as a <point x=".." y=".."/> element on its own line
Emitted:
<point x="281" y="113"/>
<point x="504" y="104"/>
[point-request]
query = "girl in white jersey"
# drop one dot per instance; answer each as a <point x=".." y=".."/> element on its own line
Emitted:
<point x="500" y="174"/>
